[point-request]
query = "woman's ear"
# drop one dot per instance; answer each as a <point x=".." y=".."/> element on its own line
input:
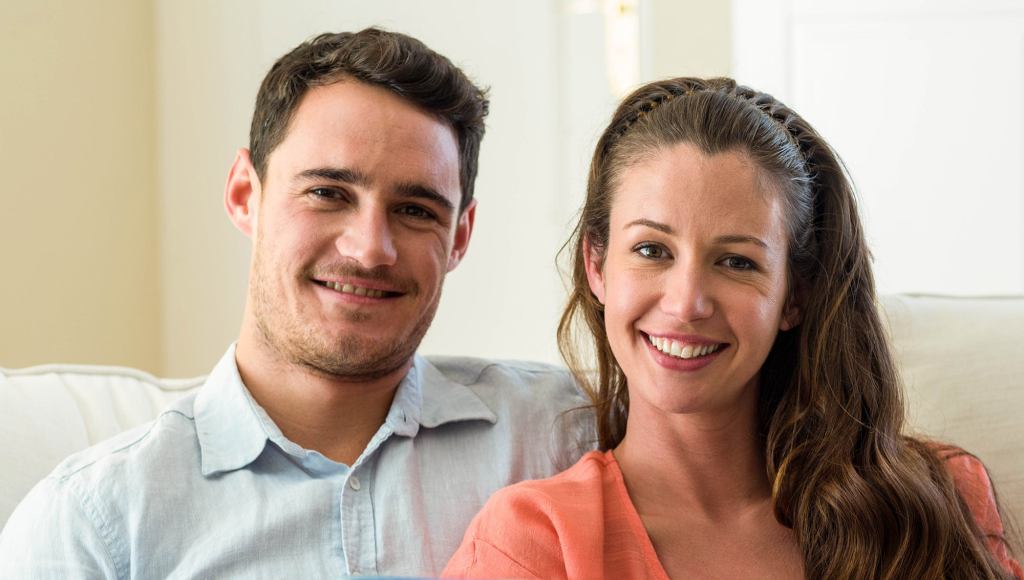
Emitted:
<point x="792" y="312"/>
<point x="594" y="262"/>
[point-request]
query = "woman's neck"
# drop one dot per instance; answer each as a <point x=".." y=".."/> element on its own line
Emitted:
<point x="712" y="463"/>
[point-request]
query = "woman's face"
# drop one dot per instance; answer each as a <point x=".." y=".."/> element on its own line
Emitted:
<point x="693" y="279"/>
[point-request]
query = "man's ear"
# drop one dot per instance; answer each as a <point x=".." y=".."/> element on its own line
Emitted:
<point x="463" y="231"/>
<point x="242" y="193"/>
<point x="594" y="262"/>
<point x="792" y="312"/>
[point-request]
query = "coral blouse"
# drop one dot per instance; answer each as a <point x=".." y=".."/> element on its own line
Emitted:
<point x="582" y="524"/>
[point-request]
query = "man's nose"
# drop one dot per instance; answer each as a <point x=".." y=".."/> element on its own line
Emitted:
<point x="687" y="296"/>
<point x="368" y="239"/>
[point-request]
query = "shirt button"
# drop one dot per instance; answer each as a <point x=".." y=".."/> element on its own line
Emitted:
<point x="353" y="482"/>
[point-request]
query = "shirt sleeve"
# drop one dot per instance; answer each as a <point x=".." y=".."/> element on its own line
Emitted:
<point x="51" y="536"/>
<point x="974" y="486"/>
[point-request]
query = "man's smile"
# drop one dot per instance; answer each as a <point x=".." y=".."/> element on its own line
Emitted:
<point x="358" y="289"/>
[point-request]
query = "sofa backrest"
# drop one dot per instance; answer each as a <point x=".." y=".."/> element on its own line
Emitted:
<point x="49" y="412"/>
<point x="962" y="360"/>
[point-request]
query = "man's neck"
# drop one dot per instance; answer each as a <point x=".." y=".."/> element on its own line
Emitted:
<point x="315" y="410"/>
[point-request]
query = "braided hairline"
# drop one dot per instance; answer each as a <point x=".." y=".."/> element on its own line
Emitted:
<point x="779" y="114"/>
<point x="775" y="111"/>
<point x="652" y="102"/>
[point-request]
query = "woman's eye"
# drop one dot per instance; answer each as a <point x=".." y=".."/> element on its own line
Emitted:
<point x="738" y="263"/>
<point x="651" y="251"/>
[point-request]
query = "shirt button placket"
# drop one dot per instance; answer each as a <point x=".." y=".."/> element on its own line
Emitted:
<point x="360" y="528"/>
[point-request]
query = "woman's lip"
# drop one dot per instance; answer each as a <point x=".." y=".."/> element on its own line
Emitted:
<point x="687" y="338"/>
<point x="684" y="364"/>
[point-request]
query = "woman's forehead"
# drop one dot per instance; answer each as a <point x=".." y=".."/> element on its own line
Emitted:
<point x="681" y="183"/>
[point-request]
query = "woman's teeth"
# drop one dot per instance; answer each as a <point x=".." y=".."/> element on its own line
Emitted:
<point x="682" y="349"/>
<point x="357" y="290"/>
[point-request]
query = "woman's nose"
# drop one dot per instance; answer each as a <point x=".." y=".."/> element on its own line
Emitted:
<point x="686" y="295"/>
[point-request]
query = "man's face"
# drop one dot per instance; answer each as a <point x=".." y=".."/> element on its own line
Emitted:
<point x="357" y="224"/>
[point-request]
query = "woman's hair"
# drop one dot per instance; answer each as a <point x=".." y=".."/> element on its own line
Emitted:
<point x="864" y="500"/>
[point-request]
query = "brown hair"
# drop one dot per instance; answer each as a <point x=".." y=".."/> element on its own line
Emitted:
<point x="394" y="61"/>
<point x="882" y="505"/>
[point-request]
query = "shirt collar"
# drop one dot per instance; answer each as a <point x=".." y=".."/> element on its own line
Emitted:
<point x="233" y="429"/>
<point x="445" y="401"/>
<point x="228" y="421"/>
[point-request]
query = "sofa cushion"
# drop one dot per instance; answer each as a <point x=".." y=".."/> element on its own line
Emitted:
<point x="49" y="412"/>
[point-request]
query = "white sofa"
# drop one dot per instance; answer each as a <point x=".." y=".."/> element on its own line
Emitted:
<point x="962" y="360"/>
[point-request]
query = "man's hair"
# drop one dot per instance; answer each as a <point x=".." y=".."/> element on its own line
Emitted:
<point x="394" y="61"/>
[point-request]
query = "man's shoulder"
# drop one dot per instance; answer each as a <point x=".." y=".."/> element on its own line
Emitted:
<point x="135" y="449"/>
<point x="536" y="405"/>
<point x="508" y="376"/>
<point x="583" y="483"/>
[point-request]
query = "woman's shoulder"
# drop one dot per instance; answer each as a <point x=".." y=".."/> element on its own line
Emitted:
<point x="968" y="472"/>
<point x="570" y="494"/>
<point x="974" y="486"/>
<point x="538" y="528"/>
<point x="972" y="482"/>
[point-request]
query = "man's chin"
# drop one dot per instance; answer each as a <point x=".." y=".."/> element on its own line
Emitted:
<point x="351" y="363"/>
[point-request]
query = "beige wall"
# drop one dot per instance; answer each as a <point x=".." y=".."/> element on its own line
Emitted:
<point x="119" y="120"/>
<point x="690" y="38"/>
<point x="78" y="226"/>
<point x="208" y="68"/>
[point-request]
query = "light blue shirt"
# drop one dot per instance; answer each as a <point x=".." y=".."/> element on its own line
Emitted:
<point x="212" y="489"/>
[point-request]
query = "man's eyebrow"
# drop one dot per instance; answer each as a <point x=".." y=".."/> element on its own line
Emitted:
<point x="354" y="177"/>
<point x="420" y="191"/>
<point x="664" y="228"/>
<point x="341" y="174"/>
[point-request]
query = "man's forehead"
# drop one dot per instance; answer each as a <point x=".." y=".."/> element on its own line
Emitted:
<point x="377" y="137"/>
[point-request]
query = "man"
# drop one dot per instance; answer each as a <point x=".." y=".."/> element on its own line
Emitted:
<point x="321" y="445"/>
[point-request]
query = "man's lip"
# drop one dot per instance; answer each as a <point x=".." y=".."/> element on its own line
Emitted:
<point x="360" y="283"/>
<point x="359" y="288"/>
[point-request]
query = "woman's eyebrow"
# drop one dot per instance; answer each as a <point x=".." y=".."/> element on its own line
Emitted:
<point x="741" y="239"/>
<point x="726" y="239"/>
<point x="664" y="228"/>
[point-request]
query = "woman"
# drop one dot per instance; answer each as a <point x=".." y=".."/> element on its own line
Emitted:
<point x="748" y="406"/>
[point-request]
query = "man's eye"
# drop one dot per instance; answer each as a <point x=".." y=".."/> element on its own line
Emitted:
<point x="326" y="193"/>
<point x="416" y="211"/>
<point x="738" y="263"/>
<point x="651" y="251"/>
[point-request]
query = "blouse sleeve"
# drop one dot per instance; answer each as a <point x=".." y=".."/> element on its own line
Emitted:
<point x="975" y="487"/>
<point x="512" y="537"/>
